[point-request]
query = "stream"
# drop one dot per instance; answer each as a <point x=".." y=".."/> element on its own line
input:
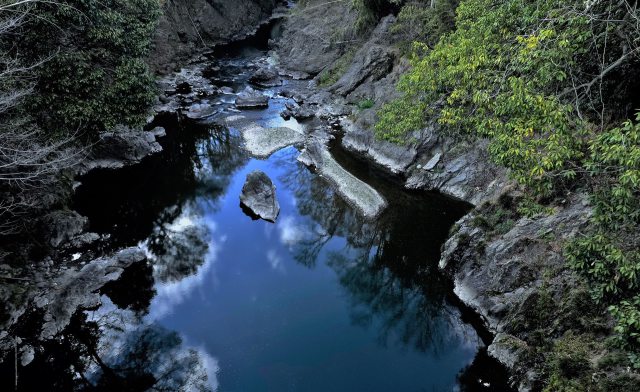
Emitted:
<point x="321" y="300"/>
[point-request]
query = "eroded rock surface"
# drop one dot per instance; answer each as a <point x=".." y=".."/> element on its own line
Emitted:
<point x="121" y="147"/>
<point x="501" y="271"/>
<point x="190" y="26"/>
<point x="251" y="99"/>
<point x="360" y="194"/>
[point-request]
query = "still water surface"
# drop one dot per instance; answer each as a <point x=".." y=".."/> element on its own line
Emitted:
<point x="322" y="300"/>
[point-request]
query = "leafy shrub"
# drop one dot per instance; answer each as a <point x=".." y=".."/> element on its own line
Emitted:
<point x="365" y="104"/>
<point x="609" y="254"/>
<point x="496" y="76"/>
<point x="96" y="76"/>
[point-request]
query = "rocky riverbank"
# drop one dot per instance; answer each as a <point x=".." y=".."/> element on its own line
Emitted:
<point x="506" y="265"/>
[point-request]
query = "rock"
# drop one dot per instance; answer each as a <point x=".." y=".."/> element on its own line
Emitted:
<point x="265" y="77"/>
<point x="372" y="62"/>
<point x="27" y="353"/>
<point x="200" y="111"/>
<point x="500" y="276"/>
<point x="304" y="46"/>
<point x="358" y="193"/>
<point x="296" y="96"/>
<point x="251" y="99"/>
<point x="158" y="132"/>
<point x="259" y="196"/>
<point x="226" y="90"/>
<point x="78" y="289"/>
<point x="262" y="142"/>
<point x="312" y="155"/>
<point x="295" y="75"/>
<point x="433" y="162"/>
<point x="303" y="112"/>
<point x="507" y="349"/>
<point x="121" y="147"/>
<point x="393" y="156"/>
<point x="84" y="239"/>
<point x="465" y="172"/>
<point x="58" y="227"/>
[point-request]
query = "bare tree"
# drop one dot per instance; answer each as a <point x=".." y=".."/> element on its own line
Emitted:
<point x="30" y="160"/>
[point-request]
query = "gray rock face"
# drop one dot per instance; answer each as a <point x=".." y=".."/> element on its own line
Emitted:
<point x="459" y="168"/>
<point x="304" y="46"/>
<point x="251" y="99"/>
<point x="61" y="226"/>
<point x="370" y="63"/>
<point x="498" y="275"/>
<point x="76" y="289"/>
<point x="121" y="147"/>
<point x="394" y="157"/>
<point x="190" y="26"/>
<point x="259" y="196"/>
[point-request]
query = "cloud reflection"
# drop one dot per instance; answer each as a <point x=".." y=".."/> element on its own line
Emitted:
<point x="198" y="252"/>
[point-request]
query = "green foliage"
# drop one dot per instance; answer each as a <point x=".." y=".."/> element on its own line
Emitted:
<point x="418" y="21"/>
<point x="97" y="76"/>
<point x="333" y="73"/>
<point x="496" y="76"/>
<point x="369" y="11"/>
<point x="530" y="208"/>
<point x="609" y="254"/>
<point x="569" y="367"/>
<point x="365" y="104"/>
<point x="496" y="218"/>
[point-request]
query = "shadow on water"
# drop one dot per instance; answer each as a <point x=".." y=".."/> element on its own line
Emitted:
<point x="131" y="204"/>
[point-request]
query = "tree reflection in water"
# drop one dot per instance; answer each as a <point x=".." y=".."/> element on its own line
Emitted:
<point x="137" y="357"/>
<point x="389" y="266"/>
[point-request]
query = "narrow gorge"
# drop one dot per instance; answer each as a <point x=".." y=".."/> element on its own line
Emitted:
<point x="240" y="198"/>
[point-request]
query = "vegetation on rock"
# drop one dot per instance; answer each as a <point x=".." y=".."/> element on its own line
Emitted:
<point x="548" y="83"/>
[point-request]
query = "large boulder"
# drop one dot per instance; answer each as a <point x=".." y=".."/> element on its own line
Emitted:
<point x="251" y="99"/>
<point x="258" y="197"/>
<point x="266" y="77"/>
<point x="123" y="146"/>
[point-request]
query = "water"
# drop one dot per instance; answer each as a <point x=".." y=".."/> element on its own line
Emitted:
<point x="322" y="300"/>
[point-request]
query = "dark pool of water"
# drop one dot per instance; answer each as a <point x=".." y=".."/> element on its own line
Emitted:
<point x="322" y="300"/>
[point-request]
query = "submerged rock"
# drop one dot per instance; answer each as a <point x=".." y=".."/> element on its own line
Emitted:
<point x="259" y="196"/>
<point x="251" y="99"/>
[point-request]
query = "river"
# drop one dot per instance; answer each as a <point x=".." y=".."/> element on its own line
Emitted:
<point x="321" y="300"/>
